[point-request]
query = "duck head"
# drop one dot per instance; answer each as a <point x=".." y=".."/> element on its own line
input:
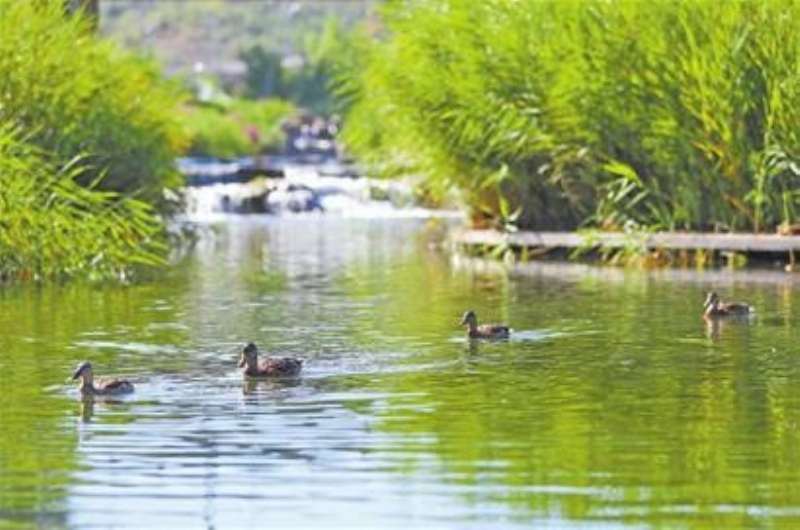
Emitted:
<point x="248" y="356"/>
<point x="84" y="370"/>
<point x="712" y="301"/>
<point x="469" y="319"/>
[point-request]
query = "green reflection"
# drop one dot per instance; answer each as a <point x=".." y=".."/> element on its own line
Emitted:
<point x="633" y="410"/>
<point x="46" y="331"/>
<point x="613" y="401"/>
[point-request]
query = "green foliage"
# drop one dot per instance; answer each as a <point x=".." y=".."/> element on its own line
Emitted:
<point x="287" y="47"/>
<point x="214" y="133"/>
<point x="51" y="226"/>
<point x="74" y="95"/>
<point x="665" y="114"/>
<point x="264" y="73"/>
<point x="88" y="140"/>
<point x="226" y="131"/>
<point x="307" y="83"/>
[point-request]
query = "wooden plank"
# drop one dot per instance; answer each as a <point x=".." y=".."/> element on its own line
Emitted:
<point x="659" y="240"/>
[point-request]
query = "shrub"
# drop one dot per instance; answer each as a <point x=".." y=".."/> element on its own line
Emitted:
<point x="87" y="146"/>
<point x="224" y="132"/>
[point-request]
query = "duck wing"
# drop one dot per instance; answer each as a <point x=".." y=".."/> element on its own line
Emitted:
<point x="493" y="330"/>
<point x="736" y="308"/>
<point x="281" y="366"/>
<point x="114" y="386"/>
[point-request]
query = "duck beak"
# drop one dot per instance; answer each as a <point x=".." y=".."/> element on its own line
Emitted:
<point x="241" y="362"/>
<point x="77" y="374"/>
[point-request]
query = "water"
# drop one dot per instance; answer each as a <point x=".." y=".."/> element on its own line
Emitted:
<point x="306" y="189"/>
<point x="612" y="406"/>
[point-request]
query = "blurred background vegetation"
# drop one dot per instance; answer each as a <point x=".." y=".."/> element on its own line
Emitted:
<point x="248" y="65"/>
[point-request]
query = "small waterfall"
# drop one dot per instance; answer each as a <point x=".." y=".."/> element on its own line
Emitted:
<point x="324" y="189"/>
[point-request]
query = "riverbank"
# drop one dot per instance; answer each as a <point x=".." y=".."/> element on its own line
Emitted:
<point x="664" y="247"/>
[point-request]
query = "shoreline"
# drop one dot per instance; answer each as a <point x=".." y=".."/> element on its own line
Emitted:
<point x="759" y="246"/>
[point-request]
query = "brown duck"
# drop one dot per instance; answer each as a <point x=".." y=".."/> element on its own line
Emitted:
<point x="483" y="331"/>
<point x="102" y="387"/>
<point x="268" y="367"/>
<point x="714" y="307"/>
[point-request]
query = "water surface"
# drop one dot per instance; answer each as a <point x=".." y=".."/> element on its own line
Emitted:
<point x="613" y="405"/>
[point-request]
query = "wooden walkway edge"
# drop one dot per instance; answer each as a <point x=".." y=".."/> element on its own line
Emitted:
<point x="745" y="243"/>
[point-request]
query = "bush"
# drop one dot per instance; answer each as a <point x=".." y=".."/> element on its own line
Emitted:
<point x="225" y="132"/>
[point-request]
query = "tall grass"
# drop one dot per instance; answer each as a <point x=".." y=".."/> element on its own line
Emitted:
<point x="87" y="146"/>
<point x="52" y="227"/>
<point x="74" y="95"/>
<point x="663" y="114"/>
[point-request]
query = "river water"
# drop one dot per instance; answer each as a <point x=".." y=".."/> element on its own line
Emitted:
<point x="613" y="405"/>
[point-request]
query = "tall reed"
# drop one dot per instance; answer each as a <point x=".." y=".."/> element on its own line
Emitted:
<point x="673" y="115"/>
<point x="53" y="227"/>
<point x="75" y="95"/>
<point x="88" y="140"/>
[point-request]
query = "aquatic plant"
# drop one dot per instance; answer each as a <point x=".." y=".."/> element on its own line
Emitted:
<point x="673" y="115"/>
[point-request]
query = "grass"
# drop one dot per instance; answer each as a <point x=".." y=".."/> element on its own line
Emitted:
<point x="662" y="114"/>
<point x="52" y="227"/>
<point x="88" y="138"/>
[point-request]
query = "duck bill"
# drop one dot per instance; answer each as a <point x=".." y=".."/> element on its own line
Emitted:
<point x="77" y="374"/>
<point x="241" y="362"/>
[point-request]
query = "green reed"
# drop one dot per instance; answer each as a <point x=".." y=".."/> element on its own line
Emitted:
<point x="53" y="227"/>
<point x="88" y="140"/>
<point x="75" y="95"/>
<point x="663" y="114"/>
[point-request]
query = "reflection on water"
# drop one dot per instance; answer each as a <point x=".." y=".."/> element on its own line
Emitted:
<point x="613" y="404"/>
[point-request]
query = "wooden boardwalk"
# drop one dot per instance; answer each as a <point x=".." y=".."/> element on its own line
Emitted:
<point x="745" y="243"/>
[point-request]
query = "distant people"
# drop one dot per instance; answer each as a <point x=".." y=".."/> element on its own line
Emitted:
<point x="309" y="134"/>
<point x="253" y="135"/>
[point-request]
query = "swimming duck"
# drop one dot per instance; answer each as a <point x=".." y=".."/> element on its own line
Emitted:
<point x="714" y="307"/>
<point x="103" y="387"/>
<point x="484" y="331"/>
<point x="271" y="366"/>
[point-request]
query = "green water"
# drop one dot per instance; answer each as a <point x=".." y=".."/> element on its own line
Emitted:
<point x="613" y="405"/>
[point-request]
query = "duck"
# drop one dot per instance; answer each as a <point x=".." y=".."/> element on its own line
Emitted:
<point x="268" y="367"/>
<point x="715" y="307"/>
<point x="103" y="387"/>
<point x="484" y="331"/>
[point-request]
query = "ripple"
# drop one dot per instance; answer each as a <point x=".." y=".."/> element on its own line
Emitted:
<point x="135" y="347"/>
<point x="614" y="410"/>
